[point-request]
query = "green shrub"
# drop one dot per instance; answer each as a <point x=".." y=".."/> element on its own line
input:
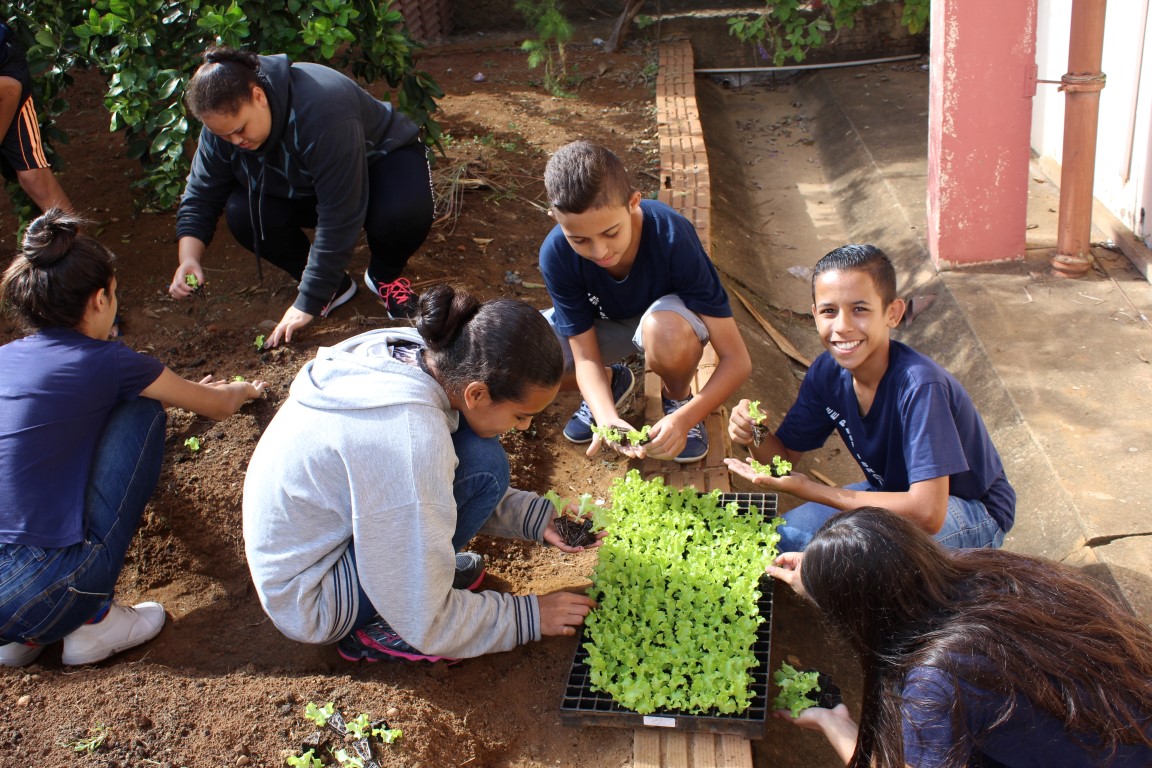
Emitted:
<point x="147" y="50"/>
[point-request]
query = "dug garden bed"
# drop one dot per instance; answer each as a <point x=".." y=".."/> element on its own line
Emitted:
<point x="220" y="685"/>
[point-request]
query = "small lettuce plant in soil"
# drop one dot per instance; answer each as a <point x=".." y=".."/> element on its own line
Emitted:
<point x="757" y="417"/>
<point x="575" y="530"/>
<point x="677" y="585"/>
<point x="352" y="743"/>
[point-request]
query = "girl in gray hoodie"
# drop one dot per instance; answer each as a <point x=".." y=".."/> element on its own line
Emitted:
<point x="383" y="463"/>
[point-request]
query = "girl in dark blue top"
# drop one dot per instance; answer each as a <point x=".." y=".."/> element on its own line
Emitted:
<point x="81" y="443"/>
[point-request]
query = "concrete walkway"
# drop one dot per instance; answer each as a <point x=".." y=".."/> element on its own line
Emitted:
<point x="1059" y="369"/>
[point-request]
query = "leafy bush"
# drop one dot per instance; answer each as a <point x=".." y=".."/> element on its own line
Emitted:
<point x="547" y="48"/>
<point x="790" y="28"/>
<point x="677" y="586"/>
<point x="148" y="49"/>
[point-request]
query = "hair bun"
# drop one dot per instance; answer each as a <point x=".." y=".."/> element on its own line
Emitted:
<point x="49" y="237"/>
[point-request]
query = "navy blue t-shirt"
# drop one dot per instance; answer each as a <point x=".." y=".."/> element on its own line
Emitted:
<point x="670" y="261"/>
<point x="922" y="425"/>
<point x="1031" y="738"/>
<point x="57" y="388"/>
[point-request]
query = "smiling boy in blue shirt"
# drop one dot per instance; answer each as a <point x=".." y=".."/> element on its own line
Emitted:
<point x="910" y="425"/>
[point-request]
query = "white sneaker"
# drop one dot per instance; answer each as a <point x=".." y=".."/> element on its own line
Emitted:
<point x="18" y="654"/>
<point x="122" y="628"/>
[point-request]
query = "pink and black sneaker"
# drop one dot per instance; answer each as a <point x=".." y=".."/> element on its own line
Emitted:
<point x="398" y="298"/>
<point x="377" y="641"/>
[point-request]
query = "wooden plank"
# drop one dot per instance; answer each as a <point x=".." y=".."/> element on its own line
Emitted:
<point x="734" y="752"/>
<point x="676" y="750"/>
<point x="703" y="749"/>
<point x="781" y="340"/>
<point x="645" y="748"/>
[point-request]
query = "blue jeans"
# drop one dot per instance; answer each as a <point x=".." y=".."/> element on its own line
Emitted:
<point x="967" y="524"/>
<point x="482" y="478"/>
<point x="45" y="594"/>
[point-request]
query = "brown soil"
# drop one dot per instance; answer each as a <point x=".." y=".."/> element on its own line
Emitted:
<point x="220" y="686"/>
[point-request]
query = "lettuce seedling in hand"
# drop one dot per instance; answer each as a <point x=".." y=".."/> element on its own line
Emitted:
<point x="638" y="436"/>
<point x="794" y="689"/>
<point x="191" y="281"/>
<point x="607" y="434"/>
<point x="576" y="532"/>
<point x="779" y="467"/>
<point x="757" y="416"/>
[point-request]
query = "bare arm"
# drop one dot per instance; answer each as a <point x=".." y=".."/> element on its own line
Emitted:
<point x="9" y="101"/>
<point x="595" y="385"/>
<point x="214" y="399"/>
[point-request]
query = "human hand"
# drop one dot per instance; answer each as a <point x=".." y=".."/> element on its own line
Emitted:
<point x="181" y="287"/>
<point x="293" y="320"/>
<point x="740" y="426"/>
<point x="817" y="718"/>
<point x="786" y="568"/>
<point x="239" y="392"/>
<point x="553" y="536"/>
<point x="562" y="612"/>
<point x="790" y="483"/>
<point x="667" y="438"/>
<point x="622" y="446"/>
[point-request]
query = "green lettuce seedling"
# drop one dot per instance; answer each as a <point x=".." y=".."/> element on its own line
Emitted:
<point x="238" y="378"/>
<point x="306" y="760"/>
<point x="192" y="444"/>
<point x="319" y="715"/>
<point x="360" y="727"/>
<point x="259" y="343"/>
<point x="191" y="281"/>
<point x="387" y="735"/>
<point x="755" y="415"/>
<point x="607" y="434"/>
<point x="779" y="467"/>
<point x="638" y="436"/>
<point x="343" y="758"/>
<point x="794" y="689"/>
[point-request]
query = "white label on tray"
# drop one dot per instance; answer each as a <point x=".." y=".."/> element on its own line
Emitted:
<point x="660" y="722"/>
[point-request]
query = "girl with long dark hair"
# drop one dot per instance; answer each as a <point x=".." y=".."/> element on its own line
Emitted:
<point x="973" y="657"/>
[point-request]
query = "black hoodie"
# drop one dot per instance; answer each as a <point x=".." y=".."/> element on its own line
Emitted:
<point x="326" y="131"/>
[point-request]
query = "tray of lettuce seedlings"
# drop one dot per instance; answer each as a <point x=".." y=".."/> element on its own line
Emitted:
<point x="681" y="637"/>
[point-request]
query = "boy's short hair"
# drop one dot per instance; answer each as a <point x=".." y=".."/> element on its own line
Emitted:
<point x="582" y="176"/>
<point x="860" y="258"/>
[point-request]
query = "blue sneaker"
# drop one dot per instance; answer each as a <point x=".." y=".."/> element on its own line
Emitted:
<point x="579" y="429"/>
<point x="697" y="446"/>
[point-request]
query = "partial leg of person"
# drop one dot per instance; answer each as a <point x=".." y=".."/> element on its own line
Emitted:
<point x="968" y="525"/>
<point x="22" y="148"/>
<point x="67" y="593"/>
<point x="673" y="339"/>
<point x="401" y="209"/>
<point x="276" y="231"/>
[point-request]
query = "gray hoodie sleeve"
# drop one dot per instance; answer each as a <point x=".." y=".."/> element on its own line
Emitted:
<point x="520" y="515"/>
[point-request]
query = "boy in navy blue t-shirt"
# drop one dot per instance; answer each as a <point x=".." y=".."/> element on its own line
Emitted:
<point x="627" y="274"/>
<point x="909" y="424"/>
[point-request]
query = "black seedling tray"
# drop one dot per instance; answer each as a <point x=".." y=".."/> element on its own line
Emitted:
<point x="581" y="706"/>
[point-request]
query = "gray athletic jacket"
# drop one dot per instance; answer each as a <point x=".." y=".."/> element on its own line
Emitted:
<point x="361" y="452"/>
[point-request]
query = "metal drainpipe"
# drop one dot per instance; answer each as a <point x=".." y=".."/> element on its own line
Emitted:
<point x="1082" y="85"/>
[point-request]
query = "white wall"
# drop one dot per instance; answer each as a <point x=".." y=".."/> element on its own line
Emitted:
<point x="1123" y="181"/>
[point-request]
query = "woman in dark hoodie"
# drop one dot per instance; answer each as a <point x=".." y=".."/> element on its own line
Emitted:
<point x="293" y="146"/>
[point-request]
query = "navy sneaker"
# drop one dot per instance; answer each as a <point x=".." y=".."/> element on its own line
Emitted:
<point x="469" y="571"/>
<point x="696" y="447"/>
<point x="343" y="295"/>
<point x="377" y="641"/>
<point x="398" y="298"/>
<point x="579" y="429"/>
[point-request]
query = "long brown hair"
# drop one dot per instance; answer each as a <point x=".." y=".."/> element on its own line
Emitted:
<point x="1003" y="622"/>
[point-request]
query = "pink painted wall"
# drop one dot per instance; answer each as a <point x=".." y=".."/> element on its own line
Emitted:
<point x="980" y="114"/>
